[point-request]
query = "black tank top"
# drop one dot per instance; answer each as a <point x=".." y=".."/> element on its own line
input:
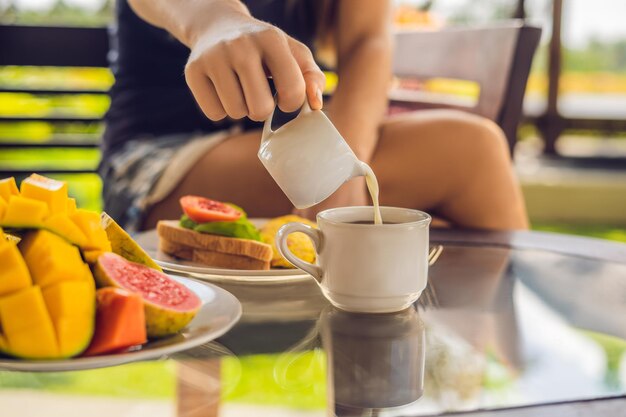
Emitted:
<point x="150" y="96"/>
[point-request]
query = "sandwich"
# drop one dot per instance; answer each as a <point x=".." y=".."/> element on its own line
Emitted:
<point x="215" y="234"/>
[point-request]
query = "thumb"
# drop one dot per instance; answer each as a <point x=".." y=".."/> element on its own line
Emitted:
<point x="314" y="78"/>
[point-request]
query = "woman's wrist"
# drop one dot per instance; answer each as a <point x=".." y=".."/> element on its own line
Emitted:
<point x="213" y="16"/>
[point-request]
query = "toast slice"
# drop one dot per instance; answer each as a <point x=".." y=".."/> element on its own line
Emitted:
<point x="212" y="258"/>
<point x="212" y="250"/>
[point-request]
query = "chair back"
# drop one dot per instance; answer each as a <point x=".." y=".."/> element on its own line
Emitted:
<point x="496" y="57"/>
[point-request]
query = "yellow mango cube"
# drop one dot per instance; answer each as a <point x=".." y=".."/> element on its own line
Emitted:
<point x="51" y="259"/>
<point x="24" y="212"/>
<point x="61" y="225"/>
<point x="3" y="207"/>
<point x="71" y="206"/>
<point x="74" y="334"/>
<point x="51" y="192"/>
<point x="52" y="267"/>
<point x="70" y="299"/>
<point x="8" y="188"/>
<point x="14" y="275"/>
<point x="36" y="342"/>
<point x="91" y="256"/>
<point x="89" y="223"/>
<point x="23" y="310"/>
<point x="4" y="344"/>
<point x="72" y="308"/>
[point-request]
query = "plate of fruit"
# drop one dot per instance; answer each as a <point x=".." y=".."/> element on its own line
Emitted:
<point x="216" y="240"/>
<point x="76" y="292"/>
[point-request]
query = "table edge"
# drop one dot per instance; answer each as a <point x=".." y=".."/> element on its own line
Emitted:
<point x="578" y="246"/>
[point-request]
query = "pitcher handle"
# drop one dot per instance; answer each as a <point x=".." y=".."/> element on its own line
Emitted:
<point x="281" y="244"/>
<point x="267" y="126"/>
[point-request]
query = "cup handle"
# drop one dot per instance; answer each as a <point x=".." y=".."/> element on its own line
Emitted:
<point x="281" y="244"/>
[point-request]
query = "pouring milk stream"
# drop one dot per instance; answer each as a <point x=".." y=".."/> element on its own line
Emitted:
<point x="309" y="160"/>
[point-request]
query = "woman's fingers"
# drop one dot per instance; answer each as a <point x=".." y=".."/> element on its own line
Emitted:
<point x="256" y="89"/>
<point x="205" y="94"/>
<point x="229" y="91"/>
<point x="314" y="78"/>
<point x="287" y="77"/>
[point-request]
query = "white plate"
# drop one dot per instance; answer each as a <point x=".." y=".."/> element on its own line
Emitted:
<point x="219" y="312"/>
<point x="149" y="241"/>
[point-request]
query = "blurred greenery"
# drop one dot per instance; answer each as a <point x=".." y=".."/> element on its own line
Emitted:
<point x="300" y="385"/>
<point x="136" y="380"/>
<point x="614" y="348"/>
<point x="599" y="231"/>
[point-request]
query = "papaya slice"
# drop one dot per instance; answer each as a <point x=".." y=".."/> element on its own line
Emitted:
<point x="120" y="321"/>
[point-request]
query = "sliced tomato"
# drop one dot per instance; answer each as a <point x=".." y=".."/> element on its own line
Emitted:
<point x="203" y="210"/>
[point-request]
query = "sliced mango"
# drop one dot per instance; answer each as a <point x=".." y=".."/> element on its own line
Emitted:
<point x="91" y="256"/>
<point x="74" y="334"/>
<point x="14" y="275"/>
<point x="4" y="344"/>
<point x="9" y="237"/>
<point x="61" y="225"/>
<point x="55" y="319"/>
<point x="71" y="306"/>
<point x="23" y="310"/>
<point x="45" y="346"/>
<point x="3" y="207"/>
<point x="89" y="223"/>
<point x="124" y="245"/>
<point x="47" y="190"/>
<point x="70" y="298"/>
<point x="50" y="259"/>
<point x="71" y="206"/>
<point x="8" y="188"/>
<point x="24" y="212"/>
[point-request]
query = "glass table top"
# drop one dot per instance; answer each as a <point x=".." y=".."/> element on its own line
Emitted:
<point x="503" y="328"/>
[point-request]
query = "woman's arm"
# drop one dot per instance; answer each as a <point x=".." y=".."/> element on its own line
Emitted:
<point x="364" y="51"/>
<point x="230" y="51"/>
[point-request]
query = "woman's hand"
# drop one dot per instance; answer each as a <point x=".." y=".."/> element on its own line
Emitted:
<point x="232" y="55"/>
<point x="229" y="64"/>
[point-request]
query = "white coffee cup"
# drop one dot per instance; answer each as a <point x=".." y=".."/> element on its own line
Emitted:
<point x="366" y="268"/>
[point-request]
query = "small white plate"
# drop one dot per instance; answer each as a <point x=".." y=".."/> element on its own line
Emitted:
<point x="219" y="312"/>
<point x="149" y="241"/>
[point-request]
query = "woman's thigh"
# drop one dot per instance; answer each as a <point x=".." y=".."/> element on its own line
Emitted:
<point x="451" y="163"/>
<point x="231" y="171"/>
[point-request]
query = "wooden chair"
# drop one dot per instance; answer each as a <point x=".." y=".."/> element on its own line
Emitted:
<point x="497" y="58"/>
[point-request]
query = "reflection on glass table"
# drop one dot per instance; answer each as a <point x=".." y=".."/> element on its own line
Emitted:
<point x="512" y="328"/>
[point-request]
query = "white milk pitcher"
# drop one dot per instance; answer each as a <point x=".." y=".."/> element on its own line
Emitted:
<point x="307" y="157"/>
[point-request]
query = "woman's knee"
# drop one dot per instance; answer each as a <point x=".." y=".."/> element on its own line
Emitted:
<point x="459" y="132"/>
